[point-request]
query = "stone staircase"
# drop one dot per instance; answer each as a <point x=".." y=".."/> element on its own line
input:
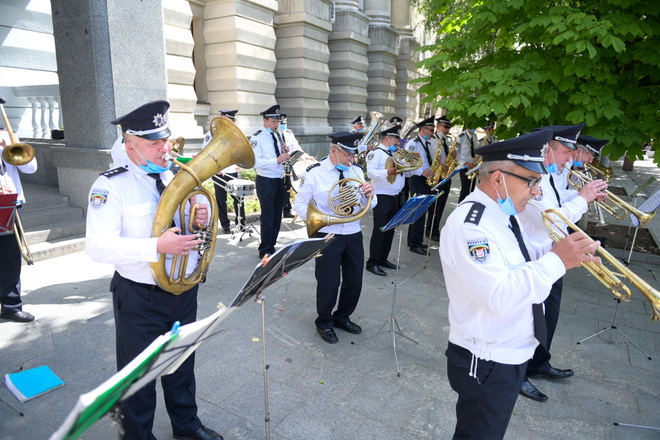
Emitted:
<point x="52" y="226"/>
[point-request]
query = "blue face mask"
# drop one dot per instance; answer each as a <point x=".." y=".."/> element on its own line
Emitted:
<point x="282" y="127"/>
<point x="507" y="205"/>
<point x="392" y="148"/>
<point x="552" y="168"/>
<point x="270" y="130"/>
<point x="151" y="167"/>
<point x="426" y="137"/>
<point x="342" y="167"/>
<point x="471" y="130"/>
<point x="578" y="163"/>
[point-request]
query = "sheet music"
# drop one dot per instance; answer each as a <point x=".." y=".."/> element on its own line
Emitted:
<point x="650" y="205"/>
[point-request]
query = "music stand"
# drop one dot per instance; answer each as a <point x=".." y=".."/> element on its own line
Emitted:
<point x="650" y="205"/>
<point x="167" y="352"/>
<point x="411" y="211"/>
<point x="7" y="213"/>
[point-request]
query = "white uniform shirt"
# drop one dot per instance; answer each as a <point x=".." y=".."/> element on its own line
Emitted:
<point x="465" y="142"/>
<point x="11" y="178"/>
<point x="316" y="184"/>
<point x="120" y="216"/>
<point x="265" y="159"/>
<point x="531" y="218"/>
<point x="378" y="174"/>
<point x="491" y="287"/>
<point x="290" y="140"/>
<point x="417" y="145"/>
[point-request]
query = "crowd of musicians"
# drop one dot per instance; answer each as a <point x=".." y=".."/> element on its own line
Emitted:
<point x="502" y="270"/>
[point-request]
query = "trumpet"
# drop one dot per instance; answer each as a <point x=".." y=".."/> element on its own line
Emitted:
<point x="342" y="203"/>
<point x="607" y="277"/>
<point x="17" y="154"/>
<point x="598" y="168"/>
<point x="616" y="207"/>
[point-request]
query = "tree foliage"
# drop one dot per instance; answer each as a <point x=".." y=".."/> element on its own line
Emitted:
<point x="539" y="62"/>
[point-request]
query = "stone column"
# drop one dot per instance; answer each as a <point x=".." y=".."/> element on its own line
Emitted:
<point x="382" y="54"/>
<point x="240" y="58"/>
<point x="180" y="69"/>
<point x="406" y="95"/>
<point x="110" y="60"/>
<point x="348" y="65"/>
<point x="302" y="30"/>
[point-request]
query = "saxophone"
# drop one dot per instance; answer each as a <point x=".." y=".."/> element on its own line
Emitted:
<point x="474" y="172"/>
<point x="441" y="172"/>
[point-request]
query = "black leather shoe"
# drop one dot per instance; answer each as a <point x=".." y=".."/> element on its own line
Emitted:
<point x="388" y="265"/>
<point x="18" y="316"/>
<point x="328" y="335"/>
<point x="554" y="373"/>
<point x="418" y="250"/>
<point x="376" y="270"/>
<point x="288" y="214"/>
<point x="528" y="390"/>
<point x="349" y="326"/>
<point x="435" y="237"/>
<point x="202" y="433"/>
<point x="226" y="230"/>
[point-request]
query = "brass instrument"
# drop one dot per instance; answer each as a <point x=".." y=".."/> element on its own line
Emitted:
<point x="377" y="119"/>
<point x="474" y="171"/>
<point x="177" y="145"/>
<point x="610" y="279"/>
<point x="597" y="168"/>
<point x="440" y="171"/>
<point x="342" y="202"/>
<point x="407" y="129"/>
<point x="616" y="207"/>
<point x="403" y="160"/>
<point x="228" y="146"/>
<point x="17" y="154"/>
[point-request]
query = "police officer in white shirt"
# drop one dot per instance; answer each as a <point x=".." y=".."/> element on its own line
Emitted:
<point x="270" y="155"/>
<point x="292" y="145"/>
<point x="120" y="215"/>
<point x="339" y="270"/>
<point x="421" y="144"/>
<point x="10" y="253"/>
<point x="358" y="124"/>
<point x="495" y="280"/>
<point x="561" y="147"/>
<point x="467" y="143"/>
<point x="443" y="140"/>
<point x="388" y="199"/>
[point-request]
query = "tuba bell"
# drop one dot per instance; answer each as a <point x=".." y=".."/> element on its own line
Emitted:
<point x="228" y="146"/>
<point x="343" y="197"/>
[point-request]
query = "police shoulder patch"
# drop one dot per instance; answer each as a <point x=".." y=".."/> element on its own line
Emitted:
<point x="370" y="156"/>
<point x="313" y="165"/>
<point x="98" y="197"/>
<point x="114" y="172"/>
<point x="479" y="250"/>
<point x="475" y="213"/>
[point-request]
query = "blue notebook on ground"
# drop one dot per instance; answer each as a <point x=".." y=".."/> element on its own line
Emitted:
<point x="28" y="384"/>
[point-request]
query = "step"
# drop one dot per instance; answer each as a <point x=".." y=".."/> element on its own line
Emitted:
<point x="42" y="197"/>
<point x="57" y="248"/>
<point x="39" y="219"/>
<point x="55" y="231"/>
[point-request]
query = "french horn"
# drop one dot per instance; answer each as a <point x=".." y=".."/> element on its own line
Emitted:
<point x="343" y="198"/>
<point x="229" y="146"/>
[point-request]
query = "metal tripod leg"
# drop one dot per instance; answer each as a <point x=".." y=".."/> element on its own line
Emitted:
<point x="612" y="328"/>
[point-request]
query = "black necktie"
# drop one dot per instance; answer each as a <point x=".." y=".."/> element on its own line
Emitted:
<point x="554" y="188"/>
<point x="160" y="186"/>
<point x="277" y="150"/>
<point x="445" y="146"/>
<point x="341" y="175"/>
<point x="540" y="331"/>
<point x="425" y="144"/>
<point x="471" y="147"/>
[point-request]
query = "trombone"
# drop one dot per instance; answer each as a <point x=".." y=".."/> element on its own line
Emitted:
<point x="16" y="154"/>
<point x="608" y="278"/>
<point x="613" y="204"/>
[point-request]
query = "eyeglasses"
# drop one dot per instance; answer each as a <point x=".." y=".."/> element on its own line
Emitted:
<point x="346" y="155"/>
<point x="531" y="181"/>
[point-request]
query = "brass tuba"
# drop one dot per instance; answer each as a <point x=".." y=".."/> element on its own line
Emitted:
<point x="377" y="119"/>
<point x="342" y="202"/>
<point x="441" y="172"/>
<point x="607" y="277"/>
<point x="228" y="146"/>
<point x="17" y="154"/>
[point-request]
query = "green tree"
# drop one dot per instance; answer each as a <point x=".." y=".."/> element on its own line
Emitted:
<point x="539" y="62"/>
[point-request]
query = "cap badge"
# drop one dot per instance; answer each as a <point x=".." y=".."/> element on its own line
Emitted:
<point x="159" y="120"/>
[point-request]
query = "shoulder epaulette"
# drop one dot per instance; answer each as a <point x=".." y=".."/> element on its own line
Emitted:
<point x="257" y="132"/>
<point x="475" y="213"/>
<point x="114" y="172"/>
<point x="313" y="165"/>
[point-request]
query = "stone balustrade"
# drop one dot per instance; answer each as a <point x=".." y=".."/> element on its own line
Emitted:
<point x="44" y="102"/>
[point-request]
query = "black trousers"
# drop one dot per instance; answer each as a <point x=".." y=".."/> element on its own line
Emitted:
<point x="381" y="242"/>
<point x="435" y="212"/>
<point x="10" y="273"/>
<point x="466" y="185"/>
<point x="340" y="265"/>
<point x="271" y="198"/>
<point x="221" y="199"/>
<point x="541" y="360"/>
<point x="417" y="185"/>
<point x="485" y="403"/>
<point x="142" y="313"/>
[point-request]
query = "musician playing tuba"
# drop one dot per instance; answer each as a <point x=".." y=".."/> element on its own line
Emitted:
<point x="332" y="198"/>
<point x="388" y="199"/>
<point x="120" y="215"/>
<point x="10" y="251"/>
<point x="560" y="149"/>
